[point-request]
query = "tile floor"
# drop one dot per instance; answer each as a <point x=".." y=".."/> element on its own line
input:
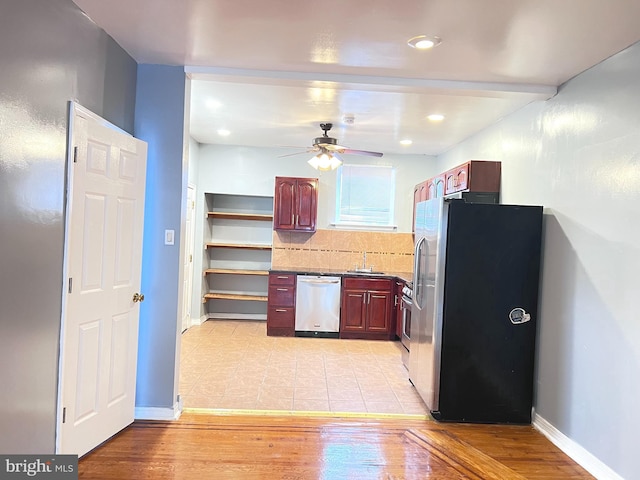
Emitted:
<point x="235" y="365"/>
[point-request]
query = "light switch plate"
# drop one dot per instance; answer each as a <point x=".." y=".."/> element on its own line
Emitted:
<point x="169" y="236"/>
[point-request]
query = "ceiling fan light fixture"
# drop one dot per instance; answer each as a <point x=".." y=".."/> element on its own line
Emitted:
<point x="435" y="117"/>
<point x="424" y="42"/>
<point x="325" y="162"/>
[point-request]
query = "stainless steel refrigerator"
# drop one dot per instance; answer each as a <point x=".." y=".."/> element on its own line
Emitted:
<point x="475" y="297"/>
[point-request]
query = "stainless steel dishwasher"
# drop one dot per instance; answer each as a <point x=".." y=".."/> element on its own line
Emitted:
<point x="317" y="306"/>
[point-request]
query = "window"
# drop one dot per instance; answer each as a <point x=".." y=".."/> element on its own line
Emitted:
<point x="365" y="195"/>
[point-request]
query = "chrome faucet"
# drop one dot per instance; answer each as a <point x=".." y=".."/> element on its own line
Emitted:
<point x="364" y="260"/>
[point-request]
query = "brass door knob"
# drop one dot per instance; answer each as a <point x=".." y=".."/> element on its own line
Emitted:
<point x="138" y="297"/>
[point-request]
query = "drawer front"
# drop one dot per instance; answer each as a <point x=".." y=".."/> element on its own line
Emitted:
<point x="283" y="296"/>
<point x="281" y="317"/>
<point x="282" y="279"/>
<point x="367" y="283"/>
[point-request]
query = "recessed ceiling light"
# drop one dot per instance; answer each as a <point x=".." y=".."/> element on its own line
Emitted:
<point x="211" y="103"/>
<point x="223" y="132"/>
<point x="406" y="141"/>
<point x="424" y="42"/>
<point x="435" y="117"/>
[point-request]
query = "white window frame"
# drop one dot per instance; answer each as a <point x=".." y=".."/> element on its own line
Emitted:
<point x="363" y="224"/>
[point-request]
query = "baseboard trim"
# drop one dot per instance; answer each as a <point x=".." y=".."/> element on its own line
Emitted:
<point x="158" y="413"/>
<point x="237" y="316"/>
<point x="577" y="453"/>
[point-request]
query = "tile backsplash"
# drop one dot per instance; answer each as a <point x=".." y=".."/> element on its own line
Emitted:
<point x="343" y="250"/>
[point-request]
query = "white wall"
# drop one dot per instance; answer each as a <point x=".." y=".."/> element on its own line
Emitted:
<point x="578" y="155"/>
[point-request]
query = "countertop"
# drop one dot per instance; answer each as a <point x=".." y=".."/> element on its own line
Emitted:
<point x="405" y="276"/>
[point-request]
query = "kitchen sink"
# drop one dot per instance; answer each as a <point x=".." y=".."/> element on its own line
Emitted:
<point x="364" y="272"/>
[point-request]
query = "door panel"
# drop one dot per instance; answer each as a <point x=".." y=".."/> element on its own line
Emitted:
<point x="379" y="312"/>
<point x="306" y="205"/>
<point x="284" y="204"/>
<point x="353" y="310"/>
<point x="125" y="242"/>
<point x="103" y="251"/>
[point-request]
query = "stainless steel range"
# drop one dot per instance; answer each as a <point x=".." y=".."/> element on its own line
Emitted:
<point x="405" y="305"/>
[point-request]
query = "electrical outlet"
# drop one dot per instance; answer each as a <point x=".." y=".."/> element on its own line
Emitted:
<point x="169" y="236"/>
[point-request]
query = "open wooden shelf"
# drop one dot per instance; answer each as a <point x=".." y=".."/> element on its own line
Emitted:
<point x="241" y="216"/>
<point x="233" y="271"/>
<point x="247" y="246"/>
<point x="234" y="296"/>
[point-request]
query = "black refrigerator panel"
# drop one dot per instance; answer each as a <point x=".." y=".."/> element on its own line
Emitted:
<point x="489" y="313"/>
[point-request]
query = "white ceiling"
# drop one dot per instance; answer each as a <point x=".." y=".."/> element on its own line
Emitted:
<point x="271" y="71"/>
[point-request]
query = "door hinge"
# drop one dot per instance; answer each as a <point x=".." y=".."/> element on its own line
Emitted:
<point x="75" y="154"/>
<point x="70" y="284"/>
<point x="64" y="414"/>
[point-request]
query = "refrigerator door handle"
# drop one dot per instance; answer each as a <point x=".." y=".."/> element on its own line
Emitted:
<point x="418" y="275"/>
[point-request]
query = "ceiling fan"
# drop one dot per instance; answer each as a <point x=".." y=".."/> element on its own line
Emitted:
<point x="327" y="149"/>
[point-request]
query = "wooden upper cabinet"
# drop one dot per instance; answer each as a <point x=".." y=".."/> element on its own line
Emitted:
<point x="295" y="204"/>
<point x="439" y="183"/>
<point x="457" y="179"/>
<point x="420" y="194"/>
<point x="435" y="187"/>
<point x="473" y="176"/>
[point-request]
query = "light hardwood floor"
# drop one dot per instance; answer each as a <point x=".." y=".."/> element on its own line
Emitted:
<point x="239" y="447"/>
<point x="235" y="365"/>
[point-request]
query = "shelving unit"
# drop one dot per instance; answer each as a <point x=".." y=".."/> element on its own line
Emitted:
<point x="237" y="249"/>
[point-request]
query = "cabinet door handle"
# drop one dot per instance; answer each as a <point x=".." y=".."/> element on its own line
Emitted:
<point x="282" y="289"/>
<point x="283" y="277"/>
<point x="281" y="310"/>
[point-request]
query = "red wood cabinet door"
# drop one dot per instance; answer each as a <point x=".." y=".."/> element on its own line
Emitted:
<point x="378" y="311"/>
<point x="295" y="205"/>
<point x="284" y="204"/>
<point x="306" y="204"/>
<point x="431" y="189"/>
<point x="457" y="179"/>
<point x="352" y="318"/>
<point x="420" y="194"/>
<point x="438" y="183"/>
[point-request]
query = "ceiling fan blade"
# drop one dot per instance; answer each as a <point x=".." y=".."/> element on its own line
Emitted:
<point x="350" y="151"/>
<point x="296" y="153"/>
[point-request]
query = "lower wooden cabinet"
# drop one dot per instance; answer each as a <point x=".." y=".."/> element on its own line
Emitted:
<point x="367" y="308"/>
<point x="281" y="305"/>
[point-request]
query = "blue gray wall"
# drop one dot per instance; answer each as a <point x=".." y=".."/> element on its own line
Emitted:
<point x="578" y="155"/>
<point x="50" y="53"/>
<point x="160" y="114"/>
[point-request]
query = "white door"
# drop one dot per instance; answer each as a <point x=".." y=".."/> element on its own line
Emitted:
<point x="187" y="288"/>
<point x="103" y="252"/>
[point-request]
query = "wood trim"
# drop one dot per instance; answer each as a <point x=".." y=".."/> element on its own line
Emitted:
<point x="234" y="296"/>
<point x="248" y="246"/>
<point x="231" y="271"/>
<point x="241" y="216"/>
